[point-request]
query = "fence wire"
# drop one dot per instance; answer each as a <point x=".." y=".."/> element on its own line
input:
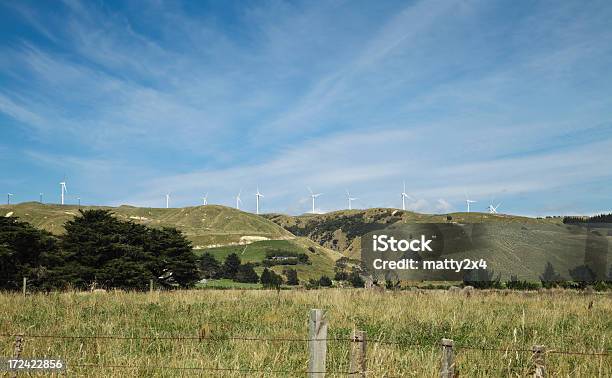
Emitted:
<point x="299" y="339"/>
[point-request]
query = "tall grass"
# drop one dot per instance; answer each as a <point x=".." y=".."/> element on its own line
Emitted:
<point x="560" y="321"/>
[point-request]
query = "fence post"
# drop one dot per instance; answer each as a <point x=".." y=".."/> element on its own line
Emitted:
<point x="317" y="344"/>
<point x="447" y="369"/>
<point x="17" y="350"/>
<point x="24" y="286"/>
<point x="358" y="365"/>
<point x="150" y="286"/>
<point x="539" y="366"/>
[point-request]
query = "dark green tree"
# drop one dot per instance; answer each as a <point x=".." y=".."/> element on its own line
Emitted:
<point x="101" y="249"/>
<point x="246" y="274"/>
<point x="325" y="281"/>
<point x="265" y="277"/>
<point x="550" y="277"/>
<point x="209" y="266"/>
<point x="292" y="277"/>
<point x="230" y="266"/>
<point x="28" y="252"/>
<point x="355" y="279"/>
<point x="270" y="280"/>
<point x="176" y="263"/>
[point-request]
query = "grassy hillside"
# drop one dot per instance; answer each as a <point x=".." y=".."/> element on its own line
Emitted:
<point x="322" y="260"/>
<point x="518" y="246"/>
<point x="340" y="230"/>
<point x="414" y="322"/>
<point x="217" y="229"/>
<point x="203" y="225"/>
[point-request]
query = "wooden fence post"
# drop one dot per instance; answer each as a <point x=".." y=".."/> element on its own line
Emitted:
<point x="539" y="366"/>
<point x="24" y="286"/>
<point x="447" y="369"/>
<point x="17" y="350"/>
<point x="358" y="365"/>
<point x="150" y="286"/>
<point x="317" y="344"/>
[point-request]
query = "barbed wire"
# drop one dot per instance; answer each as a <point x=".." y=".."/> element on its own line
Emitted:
<point x="300" y="339"/>
<point x="240" y="370"/>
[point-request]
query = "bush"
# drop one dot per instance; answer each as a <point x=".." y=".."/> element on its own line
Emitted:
<point x="269" y="279"/>
<point x="392" y="285"/>
<point x="482" y="279"/>
<point x="230" y="266"/>
<point x="209" y="266"/>
<point x="246" y="274"/>
<point x="355" y="279"/>
<point x="325" y="281"/>
<point x="516" y="284"/>
<point x="341" y="275"/>
<point x="292" y="277"/>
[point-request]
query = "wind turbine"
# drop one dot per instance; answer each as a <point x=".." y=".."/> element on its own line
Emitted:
<point x="8" y="198"/>
<point x="493" y="209"/>
<point x="79" y="201"/>
<point x="63" y="189"/>
<point x="350" y="199"/>
<point x="167" y="200"/>
<point x="257" y="196"/>
<point x="40" y="197"/>
<point x="404" y="196"/>
<point x="205" y="199"/>
<point x="468" y="201"/>
<point x="238" y="201"/>
<point x="313" y="196"/>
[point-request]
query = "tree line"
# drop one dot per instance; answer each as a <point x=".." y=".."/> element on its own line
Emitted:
<point x="96" y="250"/>
<point x="601" y="218"/>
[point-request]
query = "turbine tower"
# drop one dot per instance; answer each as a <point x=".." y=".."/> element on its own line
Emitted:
<point x="167" y="200"/>
<point x="205" y="199"/>
<point x="63" y="189"/>
<point x="238" y="201"/>
<point x="313" y="196"/>
<point x="350" y="199"/>
<point x="40" y="197"/>
<point x="257" y="196"/>
<point x="468" y="201"/>
<point x="404" y="196"/>
<point x="8" y="198"/>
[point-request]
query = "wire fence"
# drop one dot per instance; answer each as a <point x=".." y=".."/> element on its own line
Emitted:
<point x="298" y="339"/>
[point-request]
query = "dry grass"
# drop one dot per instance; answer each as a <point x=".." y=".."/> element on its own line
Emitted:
<point x="562" y="321"/>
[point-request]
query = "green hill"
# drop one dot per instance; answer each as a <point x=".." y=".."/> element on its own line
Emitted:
<point x="203" y="225"/>
<point x="518" y="243"/>
<point x="217" y="229"/>
<point x="340" y="230"/>
<point x="322" y="260"/>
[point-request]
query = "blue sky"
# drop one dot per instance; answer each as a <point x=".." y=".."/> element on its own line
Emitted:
<point x="504" y="100"/>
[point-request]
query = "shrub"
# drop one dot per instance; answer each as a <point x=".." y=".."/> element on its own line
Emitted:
<point x="269" y="279"/>
<point x="292" y="277"/>
<point x="246" y="274"/>
<point x="230" y="266"/>
<point x="355" y="279"/>
<point x="209" y="266"/>
<point x="325" y="281"/>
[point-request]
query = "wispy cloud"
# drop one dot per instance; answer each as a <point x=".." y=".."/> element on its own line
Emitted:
<point x="188" y="98"/>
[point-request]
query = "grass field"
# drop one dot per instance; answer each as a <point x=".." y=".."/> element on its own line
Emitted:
<point x="562" y="321"/>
